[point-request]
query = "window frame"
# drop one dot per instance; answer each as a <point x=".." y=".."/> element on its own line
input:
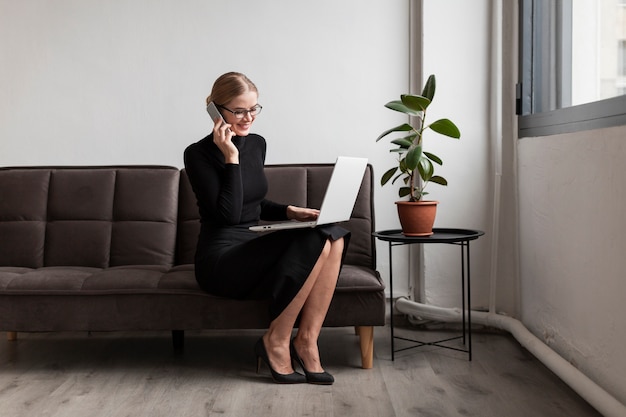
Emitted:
<point x="594" y="115"/>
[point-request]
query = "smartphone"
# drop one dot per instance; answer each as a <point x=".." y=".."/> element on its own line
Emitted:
<point x="213" y="112"/>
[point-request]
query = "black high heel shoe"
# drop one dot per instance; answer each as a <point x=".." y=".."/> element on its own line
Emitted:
<point x="261" y="354"/>
<point x="319" y="378"/>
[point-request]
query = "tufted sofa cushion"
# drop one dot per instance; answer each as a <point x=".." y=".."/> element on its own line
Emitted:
<point x="89" y="217"/>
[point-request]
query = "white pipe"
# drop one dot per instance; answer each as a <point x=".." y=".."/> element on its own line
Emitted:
<point x="496" y="145"/>
<point x="602" y="401"/>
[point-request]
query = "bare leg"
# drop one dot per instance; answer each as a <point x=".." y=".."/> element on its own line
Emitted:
<point x="315" y="309"/>
<point x="278" y="336"/>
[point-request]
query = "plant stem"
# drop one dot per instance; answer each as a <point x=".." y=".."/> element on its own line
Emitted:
<point x="419" y="132"/>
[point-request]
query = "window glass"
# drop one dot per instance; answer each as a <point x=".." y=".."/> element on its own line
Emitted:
<point x="572" y="56"/>
<point x="598" y="38"/>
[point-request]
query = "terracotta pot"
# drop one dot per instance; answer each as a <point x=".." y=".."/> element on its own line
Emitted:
<point x="417" y="217"/>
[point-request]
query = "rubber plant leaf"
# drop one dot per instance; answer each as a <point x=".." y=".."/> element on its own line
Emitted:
<point x="446" y="127"/>
<point x="426" y="169"/>
<point x="398" y="105"/>
<point x="387" y="175"/>
<point x="416" y="103"/>
<point x="405" y="127"/>
<point x="404" y="191"/>
<point x="438" y="180"/>
<point x="429" y="88"/>
<point x="433" y="158"/>
<point x="404" y="143"/>
<point x="413" y="157"/>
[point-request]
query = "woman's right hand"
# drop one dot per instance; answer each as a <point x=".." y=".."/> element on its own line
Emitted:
<point x="222" y="137"/>
<point x="302" y="214"/>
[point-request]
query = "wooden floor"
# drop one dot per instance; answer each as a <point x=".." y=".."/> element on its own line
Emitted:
<point x="137" y="374"/>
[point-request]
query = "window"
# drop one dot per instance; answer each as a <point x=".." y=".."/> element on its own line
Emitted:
<point x="572" y="66"/>
<point x="621" y="66"/>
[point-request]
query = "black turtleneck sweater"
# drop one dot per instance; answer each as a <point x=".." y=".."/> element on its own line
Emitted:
<point x="231" y="197"/>
<point x="231" y="194"/>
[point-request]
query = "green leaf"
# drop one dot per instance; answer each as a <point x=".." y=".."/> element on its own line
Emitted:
<point x="396" y="178"/>
<point x="415" y="103"/>
<point x="426" y="169"/>
<point x="413" y="157"/>
<point x="439" y="180"/>
<point x="446" y="127"/>
<point x="404" y="191"/>
<point x="398" y="105"/>
<point x="405" y="127"/>
<point x="411" y="137"/>
<point x="433" y="158"/>
<point x="429" y="88"/>
<point x="405" y="142"/>
<point x="387" y="176"/>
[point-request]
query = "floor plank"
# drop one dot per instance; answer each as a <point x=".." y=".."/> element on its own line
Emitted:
<point x="138" y="374"/>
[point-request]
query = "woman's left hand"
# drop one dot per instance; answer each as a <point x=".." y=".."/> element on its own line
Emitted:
<point x="302" y="214"/>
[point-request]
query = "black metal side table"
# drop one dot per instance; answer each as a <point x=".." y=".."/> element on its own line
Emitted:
<point x="461" y="237"/>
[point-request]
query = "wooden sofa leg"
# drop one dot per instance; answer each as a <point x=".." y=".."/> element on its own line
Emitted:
<point x="366" y="334"/>
<point x="178" y="340"/>
<point x="12" y="336"/>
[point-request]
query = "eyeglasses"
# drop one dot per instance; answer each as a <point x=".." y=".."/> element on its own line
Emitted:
<point x="240" y="113"/>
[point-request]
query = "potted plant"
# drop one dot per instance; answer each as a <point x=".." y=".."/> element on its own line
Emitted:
<point x="416" y="167"/>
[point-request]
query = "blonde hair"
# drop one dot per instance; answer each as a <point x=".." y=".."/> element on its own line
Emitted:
<point x="228" y="86"/>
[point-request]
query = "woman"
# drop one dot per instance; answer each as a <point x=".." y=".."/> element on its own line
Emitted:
<point x="296" y="269"/>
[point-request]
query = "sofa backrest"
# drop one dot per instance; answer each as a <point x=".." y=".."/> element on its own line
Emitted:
<point x="298" y="184"/>
<point x="88" y="216"/>
<point x="139" y="215"/>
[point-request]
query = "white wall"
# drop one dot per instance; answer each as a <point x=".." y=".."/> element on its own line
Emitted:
<point x="98" y="82"/>
<point x="124" y="81"/>
<point x="572" y="247"/>
<point x="462" y="65"/>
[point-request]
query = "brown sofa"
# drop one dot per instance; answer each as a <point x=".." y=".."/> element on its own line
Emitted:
<point x="111" y="249"/>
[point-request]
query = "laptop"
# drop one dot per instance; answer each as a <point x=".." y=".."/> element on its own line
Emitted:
<point x="339" y="198"/>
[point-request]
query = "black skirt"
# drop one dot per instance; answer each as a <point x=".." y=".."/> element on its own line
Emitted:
<point x="239" y="264"/>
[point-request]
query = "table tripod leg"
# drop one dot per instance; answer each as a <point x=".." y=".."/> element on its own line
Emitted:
<point x="391" y="302"/>
<point x="463" y="289"/>
<point x="469" y="304"/>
